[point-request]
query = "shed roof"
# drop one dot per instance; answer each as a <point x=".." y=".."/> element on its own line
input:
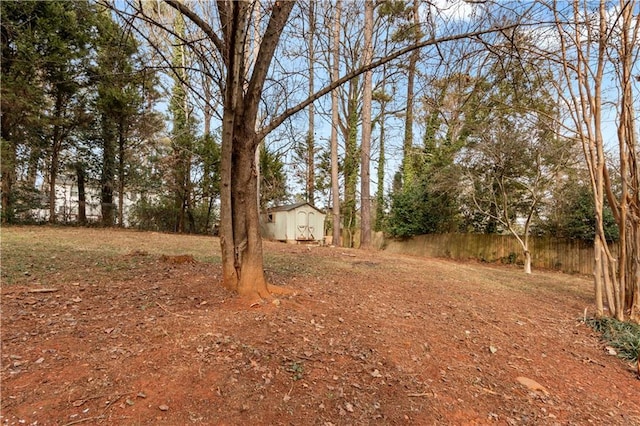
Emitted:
<point x="289" y="207"/>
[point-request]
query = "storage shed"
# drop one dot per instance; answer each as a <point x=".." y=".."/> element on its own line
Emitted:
<point x="294" y="223"/>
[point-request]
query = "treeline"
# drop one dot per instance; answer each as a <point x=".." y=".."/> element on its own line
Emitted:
<point x="84" y="96"/>
<point x="84" y="102"/>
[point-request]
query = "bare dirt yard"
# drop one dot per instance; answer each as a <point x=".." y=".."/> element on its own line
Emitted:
<point x="125" y="328"/>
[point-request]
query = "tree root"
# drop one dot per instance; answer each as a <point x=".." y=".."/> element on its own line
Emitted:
<point x="261" y="298"/>
<point x="279" y="290"/>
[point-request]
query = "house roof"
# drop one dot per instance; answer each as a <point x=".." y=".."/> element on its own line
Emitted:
<point x="289" y="207"/>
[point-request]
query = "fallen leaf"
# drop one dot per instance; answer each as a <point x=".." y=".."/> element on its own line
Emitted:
<point x="611" y="351"/>
<point x="532" y="385"/>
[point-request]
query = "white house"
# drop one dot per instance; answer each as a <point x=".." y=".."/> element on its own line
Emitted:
<point x="294" y="223"/>
<point x="67" y="204"/>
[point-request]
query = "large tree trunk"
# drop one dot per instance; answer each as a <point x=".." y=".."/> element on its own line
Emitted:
<point x="244" y="262"/>
<point x="231" y="245"/>
<point x="241" y="242"/>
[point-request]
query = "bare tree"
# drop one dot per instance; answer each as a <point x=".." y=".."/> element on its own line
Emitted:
<point x="594" y="43"/>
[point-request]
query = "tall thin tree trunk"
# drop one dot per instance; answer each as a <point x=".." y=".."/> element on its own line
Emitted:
<point x="381" y="165"/>
<point x="82" y="198"/>
<point x="108" y="172"/>
<point x="629" y="210"/>
<point x="335" y="71"/>
<point x="381" y="155"/>
<point x="365" y="160"/>
<point x="311" y="177"/>
<point x="207" y="168"/>
<point x="53" y="176"/>
<point x="350" y="166"/>
<point x="584" y="73"/>
<point x="121" y="174"/>
<point x="408" y="172"/>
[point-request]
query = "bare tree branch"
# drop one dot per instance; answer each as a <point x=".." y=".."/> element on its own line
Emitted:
<point x="375" y="64"/>
<point x="200" y="23"/>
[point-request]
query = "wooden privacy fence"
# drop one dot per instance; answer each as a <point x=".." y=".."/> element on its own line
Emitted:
<point x="571" y="256"/>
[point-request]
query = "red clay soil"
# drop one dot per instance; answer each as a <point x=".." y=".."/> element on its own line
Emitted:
<point x="369" y="338"/>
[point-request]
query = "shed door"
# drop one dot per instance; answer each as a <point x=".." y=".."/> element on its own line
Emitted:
<point x="304" y="231"/>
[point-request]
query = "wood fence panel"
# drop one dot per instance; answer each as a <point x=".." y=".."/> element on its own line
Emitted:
<point x="571" y="256"/>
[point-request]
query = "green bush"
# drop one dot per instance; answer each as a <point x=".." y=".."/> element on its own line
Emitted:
<point x="417" y="210"/>
<point x="624" y="337"/>
<point x="154" y="216"/>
